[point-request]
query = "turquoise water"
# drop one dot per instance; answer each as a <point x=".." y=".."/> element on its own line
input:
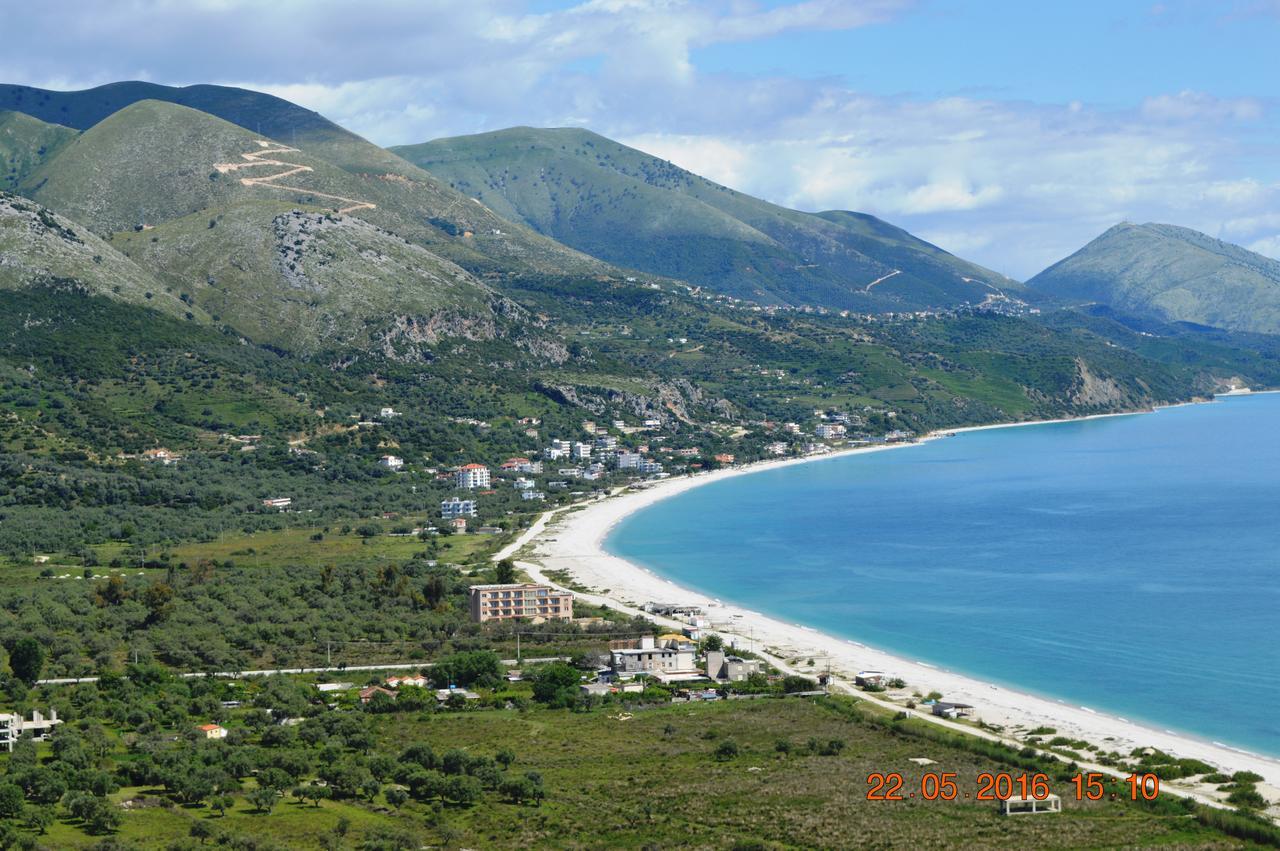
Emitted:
<point x="1130" y="564"/>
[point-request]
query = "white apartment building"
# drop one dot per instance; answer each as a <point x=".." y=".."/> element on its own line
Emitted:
<point x="472" y="476"/>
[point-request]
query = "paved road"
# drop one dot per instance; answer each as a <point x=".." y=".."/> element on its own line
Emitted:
<point x="236" y="675"/>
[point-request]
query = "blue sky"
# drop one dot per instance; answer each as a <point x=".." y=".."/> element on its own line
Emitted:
<point x="1008" y="132"/>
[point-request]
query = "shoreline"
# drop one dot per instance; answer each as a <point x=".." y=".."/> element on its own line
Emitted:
<point x="571" y="540"/>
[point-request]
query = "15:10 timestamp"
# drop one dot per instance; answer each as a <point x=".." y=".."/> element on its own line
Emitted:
<point x="1003" y="786"/>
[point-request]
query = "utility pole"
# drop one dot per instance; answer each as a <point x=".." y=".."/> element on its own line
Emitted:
<point x="328" y="654"/>
<point x="517" y="648"/>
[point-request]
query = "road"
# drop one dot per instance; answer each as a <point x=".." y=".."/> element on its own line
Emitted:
<point x="238" y="675"/>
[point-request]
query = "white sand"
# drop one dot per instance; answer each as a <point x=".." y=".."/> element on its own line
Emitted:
<point x="571" y="540"/>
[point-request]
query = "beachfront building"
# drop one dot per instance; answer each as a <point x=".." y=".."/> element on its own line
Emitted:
<point x="829" y="431"/>
<point x="455" y="507"/>
<point x="472" y="476"/>
<point x="732" y="669"/>
<point x="14" y="727"/>
<point x="952" y="710"/>
<point x="629" y="460"/>
<point x="667" y="658"/>
<point x="509" y="602"/>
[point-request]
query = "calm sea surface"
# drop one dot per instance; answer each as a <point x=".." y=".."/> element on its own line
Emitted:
<point x="1130" y="564"/>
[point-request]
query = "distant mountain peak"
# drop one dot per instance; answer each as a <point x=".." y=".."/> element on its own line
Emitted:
<point x="1171" y="273"/>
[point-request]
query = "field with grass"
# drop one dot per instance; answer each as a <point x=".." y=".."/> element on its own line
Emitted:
<point x="772" y="773"/>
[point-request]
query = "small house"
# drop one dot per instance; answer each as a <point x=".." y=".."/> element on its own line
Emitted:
<point x="213" y="731"/>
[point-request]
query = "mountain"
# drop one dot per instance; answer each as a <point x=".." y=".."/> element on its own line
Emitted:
<point x="38" y="247"/>
<point x="271" y="258"/>
<point x="25" y="143"/>
<point x="1171" y="273"/>
<point x="638" y="211"/>
<point x="432" y="213"/>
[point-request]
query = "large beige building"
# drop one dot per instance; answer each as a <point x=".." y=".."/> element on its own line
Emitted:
<point x="508" y="602"/>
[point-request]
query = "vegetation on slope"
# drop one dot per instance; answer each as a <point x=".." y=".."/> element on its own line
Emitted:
<point x="636" y="210"/>
<point x="25" y="143"/>
<point x="1170" y="273"/>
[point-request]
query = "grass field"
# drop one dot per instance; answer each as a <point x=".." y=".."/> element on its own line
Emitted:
<point x="650" y="778"/>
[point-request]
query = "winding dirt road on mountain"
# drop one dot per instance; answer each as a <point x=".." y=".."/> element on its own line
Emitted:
<point x="881" y="280"/>
<point x="261" y="158"/>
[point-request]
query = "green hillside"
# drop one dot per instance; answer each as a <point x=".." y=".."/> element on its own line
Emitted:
<point x="1171" y="273"/>
<point x="25" y="143"/>
<point x="434" y="214"/>
<point x="38" y="247"/>
<point x="636" y="210"/>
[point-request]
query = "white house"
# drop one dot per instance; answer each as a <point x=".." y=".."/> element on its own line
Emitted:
<point x="388" y="413"/>
<point x="472" y="476"/>
<point x="828" y="431"/>
<point x="523" y="484"/>
<point x="393" y="463"/>
<point x="281" y="502"/>
<point x="14" y="727"/>
<point x="629" y="460"/>
<point x="454" y="507"/>
<point x="581" y="450"/>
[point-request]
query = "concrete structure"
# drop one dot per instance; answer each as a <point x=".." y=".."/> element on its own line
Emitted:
<point x="733" y="669"/>
<point x="14" y="727"/>
<point x="951" y="710"/>
<point x="458" y="524"/>
<point x="829" y="431"/>
<point x="508" y="602"/>
<point x="581" y="450"/>
<point x="213" y="731"/>
<point x="280" y="502"/>
<point x="393" y="463"/>
<point x="388" y="413"/>
<point x="1014" y="806"/>
<point x="596" y="689"/>
<point x="454" y="507"/>
<point x="472" y="476"/>
<point x="629" y="460"/>
<point x="660" y="657"/>
<point x="869" y="678"/>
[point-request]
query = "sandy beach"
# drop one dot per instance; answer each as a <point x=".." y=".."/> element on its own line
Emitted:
<point x="571" y="540"/>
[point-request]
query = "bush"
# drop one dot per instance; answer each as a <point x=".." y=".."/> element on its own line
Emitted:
<point x="727" y="749"/>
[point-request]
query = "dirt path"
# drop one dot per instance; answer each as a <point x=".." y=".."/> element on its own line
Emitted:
<point x="261" y="158"/>
<point x="881" y="280"/>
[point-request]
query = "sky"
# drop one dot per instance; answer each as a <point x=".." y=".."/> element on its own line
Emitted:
<point x="1009" y="132"/>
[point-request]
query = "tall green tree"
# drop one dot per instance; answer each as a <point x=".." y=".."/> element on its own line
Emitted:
<point x="26" y="660"/>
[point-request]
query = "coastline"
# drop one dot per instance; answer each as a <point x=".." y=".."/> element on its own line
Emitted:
<point x="572" y="539"/>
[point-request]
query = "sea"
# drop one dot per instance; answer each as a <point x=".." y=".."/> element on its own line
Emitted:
<point x="1129" y="564"/>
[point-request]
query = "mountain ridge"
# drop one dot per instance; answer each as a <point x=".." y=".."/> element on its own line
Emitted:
<point x="637" y="210"/>
<point x="1171" y="273"/>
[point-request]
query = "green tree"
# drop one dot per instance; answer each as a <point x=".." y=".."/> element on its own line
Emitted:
<point x="396" y="797"/>
<point x="505" y="572"/>
<point x="727" y="750"/>
<point x="11" y="801"/>
<point x="26" y="660"/>
<point x="263" y="799"/>
<point x="555" y="684"/>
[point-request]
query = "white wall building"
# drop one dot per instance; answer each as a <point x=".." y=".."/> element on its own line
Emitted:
<point x="394" y="463"/>
<point x="454" y="507"/>
<point x="472" y="476"/>
<point x="14" y="727"/>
